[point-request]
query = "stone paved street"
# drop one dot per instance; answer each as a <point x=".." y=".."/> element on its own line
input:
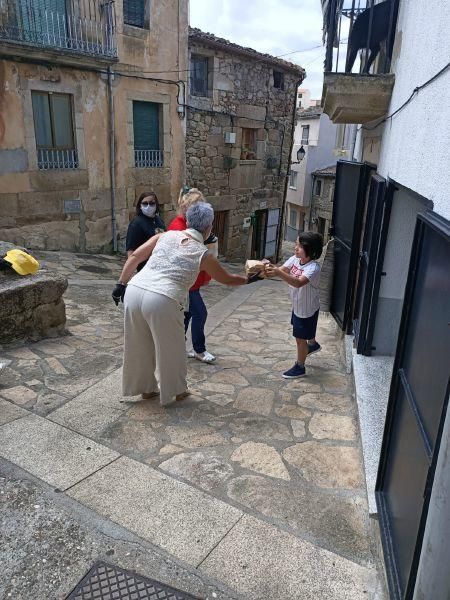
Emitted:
<point x="253" y="482"/>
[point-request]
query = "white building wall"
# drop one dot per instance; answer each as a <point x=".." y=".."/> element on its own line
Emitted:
<point x="415" y="148"/>
<point x="298" y="196"/>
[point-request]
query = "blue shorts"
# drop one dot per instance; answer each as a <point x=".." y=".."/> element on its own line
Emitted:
<point x="304" y="328"/>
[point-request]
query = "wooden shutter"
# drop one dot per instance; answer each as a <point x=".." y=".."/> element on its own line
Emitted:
<point x="146" y="125"/>
<point x="61" y="105"/>
<point x="42" y="120"/>
<point x="199" y="76"/>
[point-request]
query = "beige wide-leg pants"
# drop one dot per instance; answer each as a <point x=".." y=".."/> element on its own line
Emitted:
<point x="154" y="345"/>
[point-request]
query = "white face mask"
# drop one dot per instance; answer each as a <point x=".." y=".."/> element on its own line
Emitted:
<point x="149" y="211"/>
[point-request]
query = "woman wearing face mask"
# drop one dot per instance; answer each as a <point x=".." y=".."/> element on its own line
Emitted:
<point x="145" y="224"/>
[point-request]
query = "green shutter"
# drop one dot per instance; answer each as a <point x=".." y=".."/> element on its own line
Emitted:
<point x="146" y="125"/>
<point x="134" y="12"/>
<point x="62" y="120"/>
<point x="42" y="121"/>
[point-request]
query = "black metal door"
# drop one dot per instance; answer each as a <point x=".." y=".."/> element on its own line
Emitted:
<point x="348" y="210"/>
<point x="259" y="234"/>
<point x="417" y="405"/>
<point x="371" y="258"/>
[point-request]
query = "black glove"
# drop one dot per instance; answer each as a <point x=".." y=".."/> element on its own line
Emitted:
<point x="5" y="265"/>
<point x="118" y="292"/>
<point x="255" y="277"/>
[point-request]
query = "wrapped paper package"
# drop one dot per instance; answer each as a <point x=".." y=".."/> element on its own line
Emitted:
<point x="255" y="266"/>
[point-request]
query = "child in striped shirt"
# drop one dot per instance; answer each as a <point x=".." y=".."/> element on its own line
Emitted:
<point x="302" y="273"/>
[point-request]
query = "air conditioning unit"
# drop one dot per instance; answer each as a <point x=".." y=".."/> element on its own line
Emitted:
<point x="230" y="137"/>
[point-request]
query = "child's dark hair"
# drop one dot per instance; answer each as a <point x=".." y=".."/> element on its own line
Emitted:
<point x="312" y="244"/>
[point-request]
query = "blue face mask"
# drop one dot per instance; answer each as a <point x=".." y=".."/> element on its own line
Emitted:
<point x="148" y="210"/>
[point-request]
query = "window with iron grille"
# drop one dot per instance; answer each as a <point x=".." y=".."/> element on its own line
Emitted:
<point x="54" y="131"/>
<point x="293" y="180"/>
<point x="146" y="128"/>
<point x="199" y="75"/>
<point x="318" y="187"/>
<point x="134" y="13"/>
<point x="248" y="147"/>
<point x="278" y="80"/>
<point x="293" y="217"/>
<point x="305" y="135"/>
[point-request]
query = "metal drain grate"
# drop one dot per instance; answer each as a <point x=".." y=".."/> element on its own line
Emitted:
<point x="106" y="582"/>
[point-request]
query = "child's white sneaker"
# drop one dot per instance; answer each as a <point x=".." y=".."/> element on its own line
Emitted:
<point x="205" y="357"/>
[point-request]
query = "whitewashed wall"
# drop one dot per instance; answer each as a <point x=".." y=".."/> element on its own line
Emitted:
<point x="415" y="148"/>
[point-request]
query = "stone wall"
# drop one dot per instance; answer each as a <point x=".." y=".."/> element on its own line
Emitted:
<point x="32" y="306"/>
<point x="241" y="95"/>
<point x="70" y="209"/>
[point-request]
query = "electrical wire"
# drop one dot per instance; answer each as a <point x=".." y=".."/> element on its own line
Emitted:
<point x="264" y="59"/>
<point x="415" y="91"/>
<point x="267" y="58"/>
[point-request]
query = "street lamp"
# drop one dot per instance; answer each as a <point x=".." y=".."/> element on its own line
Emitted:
<point x="300" y="156"/>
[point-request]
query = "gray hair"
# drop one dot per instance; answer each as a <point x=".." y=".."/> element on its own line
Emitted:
<point x="200" y="216"/>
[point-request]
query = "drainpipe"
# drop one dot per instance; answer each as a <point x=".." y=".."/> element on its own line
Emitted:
<point x="286" y="179"/>
<point x="112" y="157"/>
<point x="354" y="136"/>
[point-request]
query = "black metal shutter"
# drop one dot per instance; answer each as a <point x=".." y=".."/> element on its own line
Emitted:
<point x="417" y="405"/>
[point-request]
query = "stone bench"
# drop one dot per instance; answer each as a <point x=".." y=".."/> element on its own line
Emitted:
<point x="31" y="306"/>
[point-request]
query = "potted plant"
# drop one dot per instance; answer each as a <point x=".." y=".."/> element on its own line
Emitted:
<point x="244" y="153"/>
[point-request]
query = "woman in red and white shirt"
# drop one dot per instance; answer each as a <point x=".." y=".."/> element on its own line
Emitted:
<point x="197" y="312"/>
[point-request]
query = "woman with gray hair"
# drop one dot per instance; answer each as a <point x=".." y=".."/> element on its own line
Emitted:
<point x="154" y="303"/>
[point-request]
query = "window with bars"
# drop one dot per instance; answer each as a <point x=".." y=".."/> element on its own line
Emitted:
<point x="199" y="75"/>
<point x="278" y="80"/>
<point x="293" y="217"/>
<point x="318" y="187"/>
<point x="248" y="146"/>
<point x="293" y="180"/>
<point x="146" y="128"/>
<point x="305" y="135"/>
<point x="134" y="13"/>
<point x="54" y="131"/>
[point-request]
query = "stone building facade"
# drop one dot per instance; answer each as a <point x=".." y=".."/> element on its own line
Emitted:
<point x="91" y="114"/>
<point x="322" y="201"/>
<point x="240" y="114"/>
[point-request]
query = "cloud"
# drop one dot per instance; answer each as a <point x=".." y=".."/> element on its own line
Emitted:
<point x="277" y="27"/>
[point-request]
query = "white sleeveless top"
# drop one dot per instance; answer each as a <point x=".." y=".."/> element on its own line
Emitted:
<point x="173" y="266"/>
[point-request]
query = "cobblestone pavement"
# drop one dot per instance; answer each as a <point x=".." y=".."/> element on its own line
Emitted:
<point x="46" y="374"/>
<point x="284" y="453"/>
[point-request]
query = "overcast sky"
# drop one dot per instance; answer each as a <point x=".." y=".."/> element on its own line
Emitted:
<point x="273" y="26"/>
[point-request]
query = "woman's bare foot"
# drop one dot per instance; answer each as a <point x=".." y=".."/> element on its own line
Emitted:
<point x="150" y="395"/>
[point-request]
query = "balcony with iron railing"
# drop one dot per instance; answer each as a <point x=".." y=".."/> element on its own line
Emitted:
<point x="53" y="158"/>
<point x="146" y="159"/>
<point x="68" y="30"/>
<point x="359" y="43"/>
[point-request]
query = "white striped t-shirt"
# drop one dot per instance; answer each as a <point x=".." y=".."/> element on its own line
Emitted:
<point x="305" y="300"/>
